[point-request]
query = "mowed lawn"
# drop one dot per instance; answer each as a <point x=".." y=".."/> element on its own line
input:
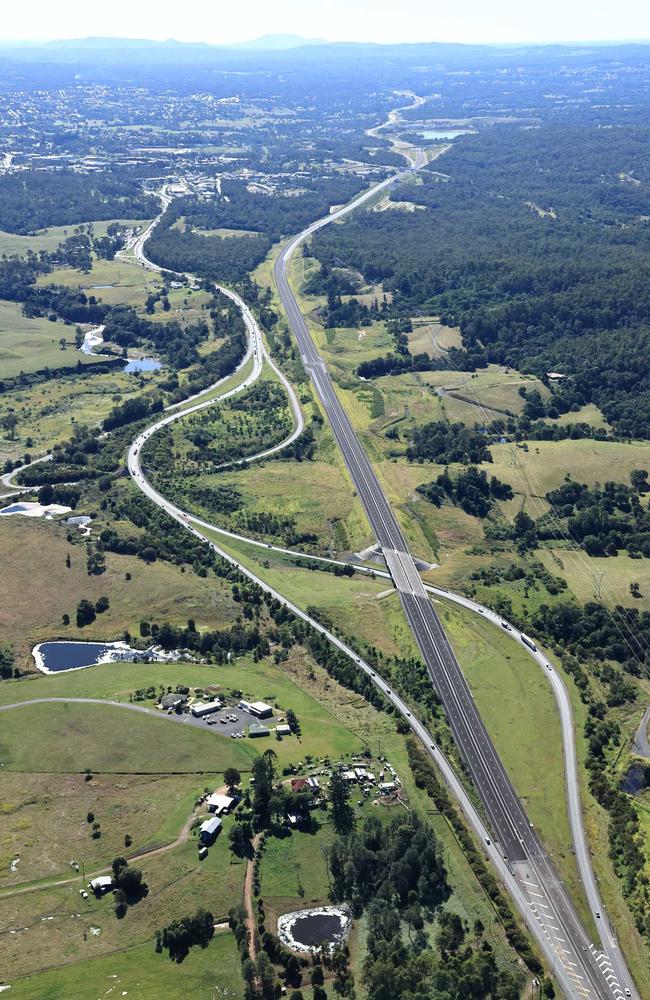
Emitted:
<point x="27" y="345"/>
<point x="214" y="973"/>
<point x="190" y="749"/>
<point x="69" y="737"/>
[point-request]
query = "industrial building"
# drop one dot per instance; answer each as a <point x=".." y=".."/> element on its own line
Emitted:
<point x="257" y="708"/>
<point x="201" y="708"/>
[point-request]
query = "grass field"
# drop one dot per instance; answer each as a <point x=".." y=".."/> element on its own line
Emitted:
<point x="321" y="501"/>
<point x="545" y="464"/>
<point x="517" y="705"/>
<point x="586" y="575"/>
<point x="263" y="681"/>
<point x="49" y="239"/>
<point x="48" y="412"/>
<point x="55" y="927"/>
<point x="33" y="555"/>
<point x="43" y="819"/>
<point x="124" y="282"/>
<point x="213" y="973"/>
<point x="27" y="345"/>
<point x="68" y="737"/>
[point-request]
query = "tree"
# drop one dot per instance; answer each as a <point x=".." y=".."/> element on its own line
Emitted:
<point x="102" y="605"/>
<point x="46" y="495"/>
<point x="292" y="721"/>
<point x="548" y="989"/>
<point x="639" y="480"/>
<point x="9" y="423"/>
<point x="317" y="977"/>
<point x="342" y="812"/>
<point x="232" y="777"/>
<point x="85" y="613"/>
<point x="240" y="837"/>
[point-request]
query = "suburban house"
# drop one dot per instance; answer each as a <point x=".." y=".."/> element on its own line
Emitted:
<point x="299" y="784"/>
<point x="208" y="830"/>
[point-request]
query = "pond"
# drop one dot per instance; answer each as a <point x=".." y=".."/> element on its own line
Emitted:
<point x="309" y="930"/>
<point x="30" y="508"/>
<point x="635" y="781"/>
<point x="60" y="655"/>
<point x="142" y="365"/>
<point x="53" y="657"/>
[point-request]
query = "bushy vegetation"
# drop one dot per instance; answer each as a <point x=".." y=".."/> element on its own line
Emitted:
<point x="182" y="934"/>
<point x="445" y="443"/>
<point x="469" y="488"/>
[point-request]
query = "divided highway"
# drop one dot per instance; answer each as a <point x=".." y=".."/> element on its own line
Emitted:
<point x="583" y="970"/>
<point x="590" y="972"/>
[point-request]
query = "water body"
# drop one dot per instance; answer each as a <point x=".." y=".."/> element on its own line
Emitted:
<point x="442" y="134"/>
<point x="313" y="931"/>
<point x="54" y="657"/>
<point x="309" y="930"/>
<point x="634" y="781"/>
<point x="142" y="365"/>
<point x="30" y="508"/>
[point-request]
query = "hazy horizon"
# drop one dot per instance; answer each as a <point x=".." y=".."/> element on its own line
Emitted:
<point x="505" y="22"/>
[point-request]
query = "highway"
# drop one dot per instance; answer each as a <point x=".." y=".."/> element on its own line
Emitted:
<point x="582" y="969"/>
<point x="592" y="974"/>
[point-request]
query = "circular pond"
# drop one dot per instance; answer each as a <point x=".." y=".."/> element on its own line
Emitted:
<point x="310" y="930"/>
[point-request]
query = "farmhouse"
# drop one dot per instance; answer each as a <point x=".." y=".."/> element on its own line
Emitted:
<point x="299" y="784"/>
<point x="201" y="708"/>
<point x="208" y="830"/>
<point x="173" y="702"/>
<point x="219" y="804"/>
<point x="101" y="884"/>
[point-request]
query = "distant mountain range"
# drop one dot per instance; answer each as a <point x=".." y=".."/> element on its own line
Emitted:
<point x="265" y="43"/>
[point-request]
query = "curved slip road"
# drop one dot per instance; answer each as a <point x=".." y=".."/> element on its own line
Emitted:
<point x="591" y="974"/>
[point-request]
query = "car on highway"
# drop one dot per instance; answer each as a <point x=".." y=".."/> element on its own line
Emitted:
<point x="507" y="627"/>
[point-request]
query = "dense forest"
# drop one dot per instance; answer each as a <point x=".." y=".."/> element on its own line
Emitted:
<point x="33" y="200"/>
<point x="537" y="247"/>
<point x="288" y="210"/>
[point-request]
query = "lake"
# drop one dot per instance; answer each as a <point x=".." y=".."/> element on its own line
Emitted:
<point x="442" y="134"/>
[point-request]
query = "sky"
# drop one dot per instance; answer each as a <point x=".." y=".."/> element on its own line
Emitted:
<point x="216" y="21"/>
